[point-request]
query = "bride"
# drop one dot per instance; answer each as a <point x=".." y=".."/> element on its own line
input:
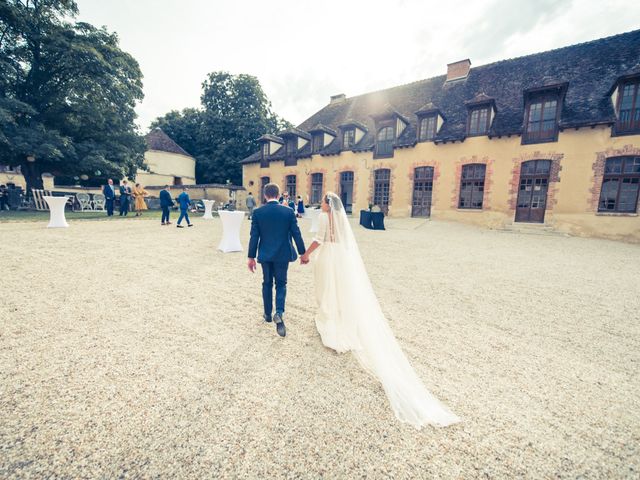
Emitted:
<point x="350" y="318"/>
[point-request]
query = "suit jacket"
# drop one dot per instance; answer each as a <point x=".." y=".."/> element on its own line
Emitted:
<point x="109" y="192"/>
<point x="184" y="201"/>
<point x="125" y="192"/>
<point x="165" y="199"/>
<point x="273" y="227"/>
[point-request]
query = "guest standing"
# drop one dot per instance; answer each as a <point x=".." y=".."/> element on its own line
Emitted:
<point x="251" y="204"/>
<point x="184" y="201"/>
<point x="4" y="198"/>
<point x="109" y="193"/>
<point x="138" y="194"/>
<point x="166" y="202"/>
<point x="300" y="206"/>
<point x="125" y="197"/>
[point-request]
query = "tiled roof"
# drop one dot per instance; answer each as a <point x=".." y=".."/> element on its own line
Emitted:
<point x="294" y="131"/>
<point x="158" y="140"/>
<point x="323" y="128"/>
<point x="271" y="138"/>
<point x="587" y="71"/>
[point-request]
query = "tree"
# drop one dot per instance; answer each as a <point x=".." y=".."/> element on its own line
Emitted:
<point x="67" y="94"/>
<point x="235" y="111"/>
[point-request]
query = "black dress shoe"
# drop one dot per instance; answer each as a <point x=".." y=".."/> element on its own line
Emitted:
<point x="267" y="318"/>
<point x="280" y="328"/>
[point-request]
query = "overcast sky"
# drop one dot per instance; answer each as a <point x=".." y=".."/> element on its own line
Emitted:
<point x="304" y="51"/>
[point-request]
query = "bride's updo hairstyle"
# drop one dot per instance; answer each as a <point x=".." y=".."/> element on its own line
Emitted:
<point x="334" y="205"/>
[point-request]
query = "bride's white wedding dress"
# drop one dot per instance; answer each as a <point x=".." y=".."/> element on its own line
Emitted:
<point x="350" y="318"/>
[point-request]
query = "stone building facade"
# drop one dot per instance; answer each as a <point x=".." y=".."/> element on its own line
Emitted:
<point x="165" y="162"/>
<point x="549" y="139"/>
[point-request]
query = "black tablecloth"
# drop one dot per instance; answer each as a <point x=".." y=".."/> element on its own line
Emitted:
<point x="372" y="220"/>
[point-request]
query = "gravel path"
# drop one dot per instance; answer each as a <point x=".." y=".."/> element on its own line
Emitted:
<point x="133" y="350"/>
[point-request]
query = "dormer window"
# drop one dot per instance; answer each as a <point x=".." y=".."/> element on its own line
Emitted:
<point x="542" y="113"/>
<point x="321" y="137"/>
<point x="292" y="145"/>
<point x="348" y="137"/>
<point x="269" y="146"/>
<point x="541" y="119"/>
<point x="482" y="109"/>
<point x="428" y="128"/>
<point x="291" y="148"/>
<point x="384" y="142"/>
<point x="430" y="121"/>
<point x="479" y="120"/>
<point x="318" y="142"/>
<point x="629" y="107"/>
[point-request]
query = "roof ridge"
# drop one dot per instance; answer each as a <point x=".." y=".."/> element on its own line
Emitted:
<point x="157" y="139"/>
<point x="595" y="40"/>
<point x="573" y="45"/>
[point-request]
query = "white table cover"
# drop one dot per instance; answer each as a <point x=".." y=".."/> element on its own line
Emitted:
<point x="313" y="214"/>
<point x="231" y="222"/>
<point x="208" y="207"/>
<point x="56" y="211"/>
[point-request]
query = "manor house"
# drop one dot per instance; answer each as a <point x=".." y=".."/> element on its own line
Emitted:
<point x="551" y="139"/>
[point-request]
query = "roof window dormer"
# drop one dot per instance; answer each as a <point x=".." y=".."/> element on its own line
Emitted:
<point x="352" y="132"/>
<point x="542" y="113"/>
<point x="295" y="140"/>
<point x="480" y="115"/>
<point x="430" y="120"/>
<point x="625" y="96"/>
<point x="321" y="137"/>
<point x="390" y="125"/>
<point x="269" y="145"/>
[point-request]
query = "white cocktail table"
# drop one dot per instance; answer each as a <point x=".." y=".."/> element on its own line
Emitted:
<point x="313" y="214"/>
<point x="231" y="222"/>
<point x="208" y="207"/>
<point x="56" y="211"/>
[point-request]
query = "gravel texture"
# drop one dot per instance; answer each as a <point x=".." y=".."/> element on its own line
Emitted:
<point x="133" y="350"/>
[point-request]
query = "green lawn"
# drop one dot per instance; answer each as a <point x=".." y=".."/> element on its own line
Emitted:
<point x="33" y="216"/>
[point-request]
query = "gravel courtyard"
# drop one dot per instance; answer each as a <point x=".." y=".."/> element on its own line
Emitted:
<point x="133" y="350"/>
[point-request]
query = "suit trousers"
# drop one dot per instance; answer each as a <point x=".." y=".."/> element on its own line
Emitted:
<point x="109" y="205"/>
<point x="124" y="206"/>
<point x="274" y="272"/>
<point x="184" y="214"/>
<point x="165" y="214"/>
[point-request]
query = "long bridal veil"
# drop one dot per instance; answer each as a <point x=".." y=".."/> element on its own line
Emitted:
<point x="372" y="341"/>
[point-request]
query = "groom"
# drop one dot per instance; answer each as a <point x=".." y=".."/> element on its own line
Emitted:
<point x="272" y="228"/>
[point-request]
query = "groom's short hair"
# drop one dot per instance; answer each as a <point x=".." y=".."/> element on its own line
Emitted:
<point x="271" y="190"/>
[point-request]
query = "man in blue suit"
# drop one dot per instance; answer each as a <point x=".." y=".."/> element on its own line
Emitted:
<point x="125" y="196"/>
<point x="184" y="201"/>
<point x="109" y="193"/>
<point x="273" y="226"/>
<point x="166" y="202"/>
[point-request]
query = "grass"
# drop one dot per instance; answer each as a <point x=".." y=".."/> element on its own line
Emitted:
<point x="34" y="216"/>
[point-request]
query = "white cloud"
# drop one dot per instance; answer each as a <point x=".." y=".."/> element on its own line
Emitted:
<point x="303" y="51"/>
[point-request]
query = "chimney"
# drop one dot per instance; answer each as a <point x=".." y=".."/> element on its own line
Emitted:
<point x="341" y="97"/>
<point x="458" y="70"/>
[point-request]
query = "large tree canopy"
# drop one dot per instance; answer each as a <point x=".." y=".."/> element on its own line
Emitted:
<point x="67" y="94"/>
<point x="235" y="111"/>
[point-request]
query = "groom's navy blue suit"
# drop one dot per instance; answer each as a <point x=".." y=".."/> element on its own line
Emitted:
<point x="273" y="227"/>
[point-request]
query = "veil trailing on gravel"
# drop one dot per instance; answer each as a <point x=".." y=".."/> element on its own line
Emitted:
<point x="364" y="329"/>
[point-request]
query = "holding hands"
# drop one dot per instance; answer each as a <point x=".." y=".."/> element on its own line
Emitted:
<point x="304" y="259"/>
<point x="251" y="263"/>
